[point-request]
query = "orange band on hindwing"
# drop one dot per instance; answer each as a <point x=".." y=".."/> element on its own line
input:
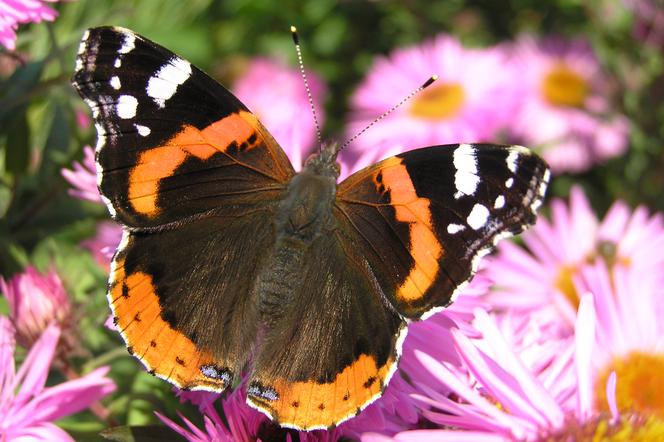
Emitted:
<point x="424" y="247"/>
<point x="312" y="405"/>
<point x="164" y="351"/>
<point x="161" y="162"/>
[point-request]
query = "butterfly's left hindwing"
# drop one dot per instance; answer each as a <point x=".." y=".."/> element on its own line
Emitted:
<point x="425" y="217"/>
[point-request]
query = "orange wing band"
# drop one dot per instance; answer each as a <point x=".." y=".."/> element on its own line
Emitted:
<point x="164" y="351"/>
<point x="161" y="162"/>
<point x="424" y="247"/>
<point x="311" y="405"/>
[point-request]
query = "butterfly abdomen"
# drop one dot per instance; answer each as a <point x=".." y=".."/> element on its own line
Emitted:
<point x="304" y="214"/>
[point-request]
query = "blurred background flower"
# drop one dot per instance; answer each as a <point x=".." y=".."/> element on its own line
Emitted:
<point x="565" y="112"/>
<point x="458" y="107"/>
<point x="83" y="177"/>
<point x="35" y="302"/>
<point x="16" y="12"/>
<point x="283" y="109"/>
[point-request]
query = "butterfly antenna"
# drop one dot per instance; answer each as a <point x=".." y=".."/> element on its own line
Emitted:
<point x="296" y="40"/>
<point x="424" y="85"/>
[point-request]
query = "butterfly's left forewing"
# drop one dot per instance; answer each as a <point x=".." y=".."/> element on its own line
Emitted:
<point x="425" y="217"/>
<point x="172" y="142"/>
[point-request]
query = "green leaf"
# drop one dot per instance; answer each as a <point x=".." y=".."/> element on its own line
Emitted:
<point x="17" y="148"/>
<point x="144" y="433"/>
<point x="57" y="143"/>
<point x="16" y="91"/>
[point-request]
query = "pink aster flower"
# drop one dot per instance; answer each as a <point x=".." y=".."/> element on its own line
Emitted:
<point x="541" y="275"/>
<point x="27" y="407"/>
<point x="459" y="107"/>
<point x="83" y="177"/>
<point x="103" y="244"/>
<point x="284" y="109"/>
<point x="35" y="301"/>
<point x="15" y="12"/>
<point x="630" y="337"/>
<point x="565" y="113"/>
<point x="497" y="397"/>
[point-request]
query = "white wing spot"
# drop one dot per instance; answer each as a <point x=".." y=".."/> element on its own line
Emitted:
<point x="478" y="216"/>
<point x="465" y="177"/>
<point x="101" y="136"/>
<point x="165" y="82"/>
<point x="511" y="159"/>
<point x="117" y="62"/>
<point x="499" y="203"/>
<point x="509" y="182"/>
<point x="126" y="106"/>
<point x="143" y="131"/>
<point x="115" y="82"/>
<point x="455" y="228"/>
<point x="128" y="44"/>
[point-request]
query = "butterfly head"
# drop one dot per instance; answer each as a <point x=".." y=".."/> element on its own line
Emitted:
<point x="324" y="162"/>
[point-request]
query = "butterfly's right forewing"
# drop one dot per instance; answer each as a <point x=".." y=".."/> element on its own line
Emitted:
<point x="425" y="217"/>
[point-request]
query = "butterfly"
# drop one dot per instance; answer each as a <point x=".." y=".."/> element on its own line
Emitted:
<point x="233" y="264"/>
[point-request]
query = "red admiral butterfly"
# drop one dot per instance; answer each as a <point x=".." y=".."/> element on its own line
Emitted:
<point x="231" y="260"/>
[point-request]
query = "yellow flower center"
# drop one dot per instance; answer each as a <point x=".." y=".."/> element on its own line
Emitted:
<point x="438" y="102"/>
<point x="565" y="283"/>
<point x="639" y="387"/>
<point x="606" y="250"/>
<point x="564" y="87"/>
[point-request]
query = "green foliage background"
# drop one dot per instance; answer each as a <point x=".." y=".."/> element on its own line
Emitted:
<point x="41" y="224"/>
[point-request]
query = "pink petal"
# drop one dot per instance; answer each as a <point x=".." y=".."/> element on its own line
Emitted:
<point x="537" y="395"/>
<point x="34" y="371"/>
<point x="500" y="384"/>
<point x="72" y="396"/>
<point x="584" y="342"/>
<point x="449" y="436"/>
<point x="611" y="396"/>
<point x="44" y="431"/>
<point x="446" y="377"/>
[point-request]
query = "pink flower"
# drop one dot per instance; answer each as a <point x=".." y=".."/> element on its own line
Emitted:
<point x="283" y="109"/>
<point x="27" y="407"/>
<point x="459" y="107"/>
<point x="540" y="277"/>
<point x="83" y="119"/>
<point x="565" y="113"/>
<point x="15" y="12"/>
<point x="35" y="301"/>
<point x="630" y="336"/>
<point x="103" y="244"/>
<point x="495" y="396"/>
<point x="83" y="177"/>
